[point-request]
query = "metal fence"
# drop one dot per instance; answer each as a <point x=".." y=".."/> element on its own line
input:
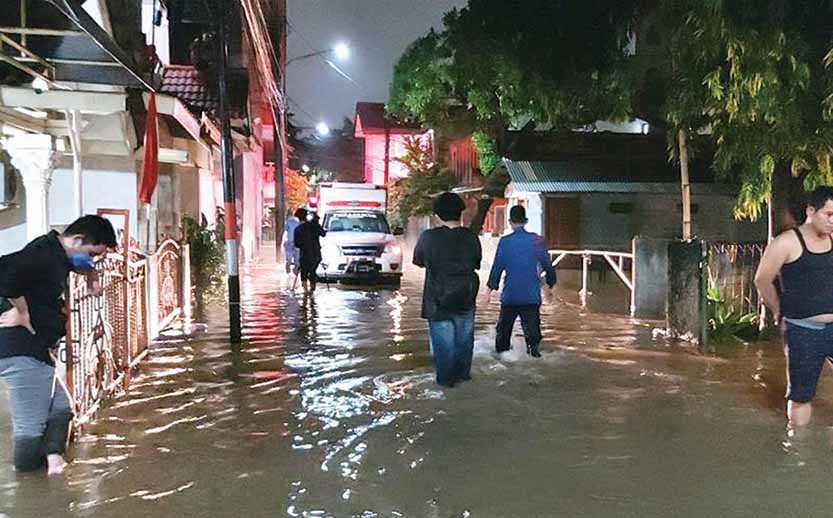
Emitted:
<point x="731" y="270"/>
<point x="620" y="262"/>
<point x="108" y="334"/>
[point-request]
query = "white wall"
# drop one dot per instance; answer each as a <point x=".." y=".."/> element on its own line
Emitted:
<point x="110" y="189"/>
<point x="163" y="47"/>
<point x="208" y="205"/>
<point x="13" y="222"/>
<point x="534" y="204"/>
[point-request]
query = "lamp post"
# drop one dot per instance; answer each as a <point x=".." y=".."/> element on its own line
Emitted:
<point x="341" y="51"/>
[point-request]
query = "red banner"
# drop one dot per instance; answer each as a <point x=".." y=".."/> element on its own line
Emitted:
<point x="150" y="163"/>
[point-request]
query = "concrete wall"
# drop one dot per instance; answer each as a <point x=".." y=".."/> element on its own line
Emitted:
<point x="177" y="195"/>
<point x="107" y="183"/>
<point x="252" y="195"/>
<point x="651" y="278"/>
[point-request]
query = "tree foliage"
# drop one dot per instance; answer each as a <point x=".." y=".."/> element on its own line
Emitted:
<point x="297" y="186"/>
<point x="749" y="78"/>
<point x="497" y="64"/>
<point x="411" y="196"/>
<point x="487" y="152"/>
<point x="763" y="88"/>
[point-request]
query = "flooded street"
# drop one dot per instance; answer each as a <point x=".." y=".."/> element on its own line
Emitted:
<point x="329" y="409"/>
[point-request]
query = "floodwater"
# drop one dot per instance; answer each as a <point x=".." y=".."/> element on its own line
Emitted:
<point x="329" y="409"/>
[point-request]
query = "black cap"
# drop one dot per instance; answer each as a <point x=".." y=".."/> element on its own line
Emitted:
<point x="517" y="214"/>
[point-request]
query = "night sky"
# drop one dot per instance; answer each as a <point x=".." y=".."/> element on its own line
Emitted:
<point x="378" y="31"/>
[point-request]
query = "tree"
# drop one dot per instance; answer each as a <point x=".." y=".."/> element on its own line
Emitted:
<point x="296" y="188"/>
<point x="767" y="91"/>
<point x="502" y="64"/>
<point x="411" y="196"/>
<point x="669" y="93"/>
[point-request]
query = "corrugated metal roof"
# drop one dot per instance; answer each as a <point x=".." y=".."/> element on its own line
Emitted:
<point x="599" y="176"/>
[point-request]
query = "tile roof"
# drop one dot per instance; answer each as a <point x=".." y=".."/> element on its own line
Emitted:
<point x="372" y="118"/>
<point x="185" y="83"/>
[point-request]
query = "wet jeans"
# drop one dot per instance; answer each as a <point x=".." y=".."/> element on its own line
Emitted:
<point x="291" y="255"/>
<point x="40" y="418"/>
<point x="452" y="344"/>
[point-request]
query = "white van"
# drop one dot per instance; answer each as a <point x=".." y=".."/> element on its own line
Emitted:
<point x="359" y="245"/>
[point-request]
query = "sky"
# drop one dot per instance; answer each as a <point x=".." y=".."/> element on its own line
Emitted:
<point x="378" y="31"/>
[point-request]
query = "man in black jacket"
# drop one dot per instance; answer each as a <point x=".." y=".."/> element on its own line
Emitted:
<point x="32" y="285"/>
<point x="451" y="255"/>
<point x="307" y="241"/>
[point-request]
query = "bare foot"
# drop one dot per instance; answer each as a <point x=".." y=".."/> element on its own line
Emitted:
<point x="55" y="465"/>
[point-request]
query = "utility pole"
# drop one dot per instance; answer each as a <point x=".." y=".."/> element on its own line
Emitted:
<point x="280" y="185"/>
<point x="278" y="116"/>
<point x="229" y="197"/>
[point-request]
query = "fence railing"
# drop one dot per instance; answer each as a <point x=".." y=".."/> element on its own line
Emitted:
<point x="731" y="270"/>
<point x="620" y="262"/>
<point x="108" y="334"/>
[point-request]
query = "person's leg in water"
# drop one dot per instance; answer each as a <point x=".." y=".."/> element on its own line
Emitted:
<point x="441" y="336"/>
<point x="291" y="255"/>
<point x="806" y="351"/>
<point x="505" y="323"/>
<point x="463" y="345"/>
<point x="313" y="275"/>
<point x="40" y="420"/>
<point x="531" y="324"/>
<point x="303" y="267"/>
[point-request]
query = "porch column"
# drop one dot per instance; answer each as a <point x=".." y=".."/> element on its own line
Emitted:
<point x="34" y="156"/>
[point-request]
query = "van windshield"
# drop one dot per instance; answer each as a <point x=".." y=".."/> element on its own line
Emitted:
<point x="356" y="222"/>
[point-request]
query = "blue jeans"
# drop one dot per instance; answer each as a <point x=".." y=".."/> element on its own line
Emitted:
<point x="40" y="415"/>
<point x="291" y="255"/>
<point x="452" y="344"/>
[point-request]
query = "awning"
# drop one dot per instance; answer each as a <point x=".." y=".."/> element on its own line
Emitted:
<point x="60" y="40"/>
<point x="610" y="176"/>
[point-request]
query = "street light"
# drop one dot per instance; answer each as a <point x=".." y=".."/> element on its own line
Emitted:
<point x="340" y="50"/>
<point x="322" y="129"/>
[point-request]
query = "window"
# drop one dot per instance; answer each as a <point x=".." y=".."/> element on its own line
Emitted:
<point x="620" y="208"/>
<point x="356" y="222"/>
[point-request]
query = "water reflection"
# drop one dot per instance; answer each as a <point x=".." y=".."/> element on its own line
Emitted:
<point x="329" y="408"/>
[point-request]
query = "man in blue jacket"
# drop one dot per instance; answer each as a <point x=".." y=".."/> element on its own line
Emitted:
<point x="519" y="254"/>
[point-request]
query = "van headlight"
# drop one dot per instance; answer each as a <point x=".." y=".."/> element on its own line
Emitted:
<point x="393" y="248"/>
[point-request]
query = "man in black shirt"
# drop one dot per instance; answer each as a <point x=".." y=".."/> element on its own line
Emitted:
<point x="32" y="284"/>
<point x="451" y="255"/>
<point x="307" y="241"/>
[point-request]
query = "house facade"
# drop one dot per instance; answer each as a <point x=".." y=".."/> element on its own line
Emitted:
<point x="384" y="142"/>
<point x="74" y="146"/>
<point x="599" y="190"/>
